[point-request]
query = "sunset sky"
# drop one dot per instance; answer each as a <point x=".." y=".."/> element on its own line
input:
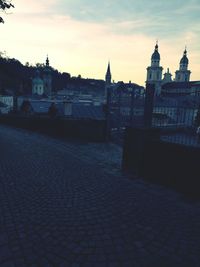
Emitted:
<point x="80" y="36"/>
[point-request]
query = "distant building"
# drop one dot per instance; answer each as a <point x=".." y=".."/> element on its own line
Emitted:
<point x="174" y="89"/>
<point x="37" y="84"/>
<point x="42" y="83"/>
<point x="154" y="72"/>
<point x="183" y="74"/>
<point x="7" y="103"/>
<point x="165" y="86"/>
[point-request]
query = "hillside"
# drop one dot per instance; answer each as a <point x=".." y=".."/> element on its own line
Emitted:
<point x="16" y="78"/>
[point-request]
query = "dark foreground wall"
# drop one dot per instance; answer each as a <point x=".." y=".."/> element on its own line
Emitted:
<point x="161" y="162"/>
<point x="90" y="130"/>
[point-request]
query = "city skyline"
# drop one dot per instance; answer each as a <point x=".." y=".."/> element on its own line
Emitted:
<point x="81" y="38"/>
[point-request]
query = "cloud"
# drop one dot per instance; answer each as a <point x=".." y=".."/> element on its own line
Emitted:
<point x="80" y="36"/>
<point x="164" y="18"/>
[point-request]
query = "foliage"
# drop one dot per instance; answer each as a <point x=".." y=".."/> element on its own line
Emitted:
<point x="16" y="78"/>
<point x="22" y="75"/>
<point x="5" y="5"/>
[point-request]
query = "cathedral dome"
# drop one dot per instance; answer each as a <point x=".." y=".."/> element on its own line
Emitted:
<point x="184" y="59"/>
<point x="155" y="55"/>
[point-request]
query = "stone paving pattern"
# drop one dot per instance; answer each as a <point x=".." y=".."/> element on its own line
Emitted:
<point x="66" y="203"/>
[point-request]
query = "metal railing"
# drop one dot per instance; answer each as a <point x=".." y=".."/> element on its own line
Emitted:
<point x="174" y="116"/>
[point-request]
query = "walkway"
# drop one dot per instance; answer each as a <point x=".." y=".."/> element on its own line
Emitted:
<point x="68" y="204"/>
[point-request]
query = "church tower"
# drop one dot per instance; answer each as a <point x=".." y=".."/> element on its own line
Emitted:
<point x="108" y="75"/>
<point x="47" y="77"/>
<point x="37" y="84"/>
<point x="183" y="74"/>
<point x="107" y="79"/>
<point x="154" y="72"/>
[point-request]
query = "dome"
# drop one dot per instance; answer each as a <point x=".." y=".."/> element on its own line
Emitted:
<point x="155" y="55"/>
<point x="184" y="59"/>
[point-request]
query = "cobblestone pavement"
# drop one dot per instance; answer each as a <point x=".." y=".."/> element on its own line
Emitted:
<point x="67" y="204"/>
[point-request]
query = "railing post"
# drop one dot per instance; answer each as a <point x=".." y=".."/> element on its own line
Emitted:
<point x="148" y="107"/>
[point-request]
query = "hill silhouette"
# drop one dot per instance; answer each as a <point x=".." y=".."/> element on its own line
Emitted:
<point x="16" y="78"/>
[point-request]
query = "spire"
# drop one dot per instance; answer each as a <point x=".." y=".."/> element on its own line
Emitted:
<point x="108" y="69"/>
<point x="155" y="55"/>
<point x="184" y="60"/>
<point x="47" y="61"/>
<point x="108" y="74"/>
<point x="156" y="46"/>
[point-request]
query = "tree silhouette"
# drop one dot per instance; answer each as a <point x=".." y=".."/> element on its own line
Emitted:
<point x="4" y="5"/>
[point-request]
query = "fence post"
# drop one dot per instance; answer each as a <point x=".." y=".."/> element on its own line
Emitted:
<point x="148" y="107"/>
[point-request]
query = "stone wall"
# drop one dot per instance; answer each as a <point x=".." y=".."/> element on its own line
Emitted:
<point x="165" y="163"/>
<point x="90" y="130"/>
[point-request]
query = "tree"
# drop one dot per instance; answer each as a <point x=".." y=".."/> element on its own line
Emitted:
<point x="5" y="5"/>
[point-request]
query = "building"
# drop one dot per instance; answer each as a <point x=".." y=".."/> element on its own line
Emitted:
<point x="154" y="72"/>
<point x="42" y="82"/>
<point x="183" y="74"/>
<point x="165" y="86"/>
<point x="37" y="84"/>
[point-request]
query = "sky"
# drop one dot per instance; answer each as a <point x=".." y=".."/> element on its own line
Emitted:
<point x="81" y="36"/>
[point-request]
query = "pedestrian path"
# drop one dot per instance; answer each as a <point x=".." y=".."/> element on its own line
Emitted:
<point x="67" y="203"/>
